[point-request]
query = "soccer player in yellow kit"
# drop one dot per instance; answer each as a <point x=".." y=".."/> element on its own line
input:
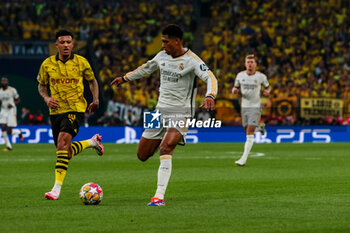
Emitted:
<point x="64" y="74"/>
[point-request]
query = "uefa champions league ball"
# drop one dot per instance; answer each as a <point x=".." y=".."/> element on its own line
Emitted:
<point x="91" y="194"/>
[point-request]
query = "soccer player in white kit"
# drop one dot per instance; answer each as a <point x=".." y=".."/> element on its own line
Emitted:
<point x="178" y="67"/>
<point x="248" y="84"/>
<point x="8" y="115"/>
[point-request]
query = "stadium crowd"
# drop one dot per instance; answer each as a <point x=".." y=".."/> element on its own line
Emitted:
<point x="118" y="30"/>
<point x="302" y="47"/>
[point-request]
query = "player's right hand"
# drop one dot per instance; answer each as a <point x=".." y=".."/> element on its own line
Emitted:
<point x="117" y="81"/>
<point x="234" y="90"/>
<point x="51" y="102"/>
<point x="93" y="106"/>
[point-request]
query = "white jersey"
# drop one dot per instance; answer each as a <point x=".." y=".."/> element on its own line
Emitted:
<point x="177" y="78"/>
<point x="7" y="97"/>
<point x="250" y="87"/>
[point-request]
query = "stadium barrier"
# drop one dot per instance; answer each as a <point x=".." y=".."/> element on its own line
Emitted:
<point x="275" y="134"/>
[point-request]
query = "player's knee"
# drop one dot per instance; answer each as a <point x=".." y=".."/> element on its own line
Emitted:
<point x="62" y="145"/>
<point x="142" y="156"/>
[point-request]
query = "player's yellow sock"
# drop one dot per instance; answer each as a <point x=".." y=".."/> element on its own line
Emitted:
<point x="61" y="166"/>
<point x="78" y="147"/>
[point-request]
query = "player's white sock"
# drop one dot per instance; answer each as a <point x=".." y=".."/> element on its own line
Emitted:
<point x="164" y="173"/>
<point x="247" y="147"/>
<point x="6" y="138"/>
<point x="16" y="132"/>
<point x="57" y="187"/>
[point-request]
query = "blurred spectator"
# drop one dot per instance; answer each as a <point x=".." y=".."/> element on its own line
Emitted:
<point x="26" y="117"/>
<point x="115" y="120"/>
<point x="103" y="120"/>
<point x="38" y="118"/>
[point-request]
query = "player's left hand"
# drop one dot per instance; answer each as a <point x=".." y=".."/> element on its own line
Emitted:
<point x="9" y="106"/>
<point x="208" y="104"/>
<point x="93" y="106"/>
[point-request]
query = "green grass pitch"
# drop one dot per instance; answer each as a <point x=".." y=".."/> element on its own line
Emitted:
<point x="283" y="188"/>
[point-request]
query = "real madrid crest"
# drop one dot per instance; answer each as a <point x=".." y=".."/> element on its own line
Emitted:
<point x="181" y="67"/>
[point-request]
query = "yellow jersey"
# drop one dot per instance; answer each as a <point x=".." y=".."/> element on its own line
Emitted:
<point x="65" y="80"/>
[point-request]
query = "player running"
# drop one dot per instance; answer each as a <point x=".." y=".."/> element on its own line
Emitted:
<point x="9" y="98"/>
<point x="248" y="83"/>
<point x="64" y="73"/>
<point x="178" y="67"/>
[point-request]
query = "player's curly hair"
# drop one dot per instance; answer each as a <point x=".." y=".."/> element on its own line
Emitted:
<point x="173" y="30"/>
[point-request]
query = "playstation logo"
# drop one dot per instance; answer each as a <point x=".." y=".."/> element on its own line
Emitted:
<point x="151" y="120"/>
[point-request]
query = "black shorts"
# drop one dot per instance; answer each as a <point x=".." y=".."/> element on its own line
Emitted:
<point x="66" y="122"/>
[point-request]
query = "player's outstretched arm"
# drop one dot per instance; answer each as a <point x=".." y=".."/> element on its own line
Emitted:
<point x="94" y="90"/>
<point x="50" y="102"/>
<point x="148" y="68"/>
<point x="118" y="81"/>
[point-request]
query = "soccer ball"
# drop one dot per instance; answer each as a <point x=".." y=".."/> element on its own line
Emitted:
<point x="91" y="194"/>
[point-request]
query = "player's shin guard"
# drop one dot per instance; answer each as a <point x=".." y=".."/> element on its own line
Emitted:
<point x="164" y="173"/>
<point x="78" y="147"/>
<point x="61" y="166"/>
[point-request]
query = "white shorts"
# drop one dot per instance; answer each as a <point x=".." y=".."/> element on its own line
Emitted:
<point x="251" y="116"/>
<point x="159" y="133"/>
<point x="8" y="118"/>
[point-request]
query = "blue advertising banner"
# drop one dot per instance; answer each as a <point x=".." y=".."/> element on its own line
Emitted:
<point x="275" y="134"/>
